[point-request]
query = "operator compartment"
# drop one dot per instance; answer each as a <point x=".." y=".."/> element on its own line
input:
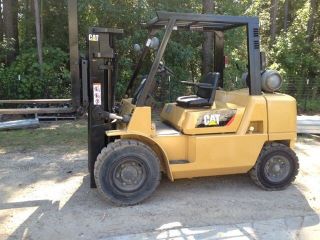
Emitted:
<point x="223" y="116"/>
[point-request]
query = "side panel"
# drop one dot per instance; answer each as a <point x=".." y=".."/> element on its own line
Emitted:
<point x="140" y="121"/>
<point x="282" y="118"/>
<point x="219" y="155"/>
<point x="174" y="115"/>
<point x="176" y="147"/>
<point x="282" y="113"/>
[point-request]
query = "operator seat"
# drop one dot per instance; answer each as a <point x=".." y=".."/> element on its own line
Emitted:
<point x="205" y="94"/>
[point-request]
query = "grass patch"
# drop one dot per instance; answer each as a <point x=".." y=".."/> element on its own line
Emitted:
<point x="68" y="135"/>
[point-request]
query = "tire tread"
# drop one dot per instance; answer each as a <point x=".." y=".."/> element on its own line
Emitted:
<point x="105" y="152"/>
<point x="266" y="150"/>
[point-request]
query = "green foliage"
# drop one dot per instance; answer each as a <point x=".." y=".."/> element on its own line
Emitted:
<point x="292" y="53"/>
<point x="55" y="24"/>
<point x="6" y="46"/>
<point x="25" y="79"/>
<point x="298" y="61"/>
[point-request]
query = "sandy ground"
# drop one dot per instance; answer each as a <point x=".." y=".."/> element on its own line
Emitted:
<point x="46" y="195"/>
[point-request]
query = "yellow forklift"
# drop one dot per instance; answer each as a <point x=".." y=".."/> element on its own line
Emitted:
<point x="214" y="132"/>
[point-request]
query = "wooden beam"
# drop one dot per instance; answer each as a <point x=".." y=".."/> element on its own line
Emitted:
<point x="74" y="52"/>
<point x="35" y="110"/>
<point x="39" y="101"/>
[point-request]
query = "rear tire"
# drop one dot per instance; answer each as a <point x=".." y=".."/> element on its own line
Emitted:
<point x="276" y="168"/>
<point x="127" y="172"/>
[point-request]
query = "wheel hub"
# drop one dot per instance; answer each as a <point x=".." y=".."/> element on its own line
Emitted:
<point x="277" y="168"/>
<point x="129" y="175"/>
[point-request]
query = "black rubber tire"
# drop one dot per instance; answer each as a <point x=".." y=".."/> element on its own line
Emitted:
<point x="269" y="150"/>
<point x="108" y="161"/>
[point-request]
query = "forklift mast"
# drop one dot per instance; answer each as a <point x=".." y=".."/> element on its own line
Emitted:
<point x="99" y="74"/>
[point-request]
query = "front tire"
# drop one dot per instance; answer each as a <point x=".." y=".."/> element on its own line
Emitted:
<point x="276" y="168"/>
<point x="127" y="172"/>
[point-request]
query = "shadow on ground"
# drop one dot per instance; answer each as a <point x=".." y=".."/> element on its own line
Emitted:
<point x="185" y="203"/>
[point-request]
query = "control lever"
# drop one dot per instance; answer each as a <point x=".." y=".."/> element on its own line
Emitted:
<point x="99" y="113"/>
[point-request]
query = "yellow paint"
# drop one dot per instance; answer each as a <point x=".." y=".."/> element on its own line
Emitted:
<point x="214" y="150"/>
<point x="141" y="121"/>
<point x="220" y="154"/>
<point x="282" y="112"/>
<point x="174" y="146"/>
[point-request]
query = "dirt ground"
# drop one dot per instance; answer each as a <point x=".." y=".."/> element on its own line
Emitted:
<point x="45" y="194"/>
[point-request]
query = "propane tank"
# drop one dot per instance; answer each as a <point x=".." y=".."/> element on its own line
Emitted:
<point x="271" y="81"/>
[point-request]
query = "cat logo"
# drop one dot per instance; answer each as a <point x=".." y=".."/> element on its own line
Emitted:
<point x="216" y="118"/>
<point x="211" y="119"/>
<point x="93" y="37"/>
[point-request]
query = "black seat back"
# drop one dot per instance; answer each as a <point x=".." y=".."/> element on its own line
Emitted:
<point x="209" y="93"/>
<point x="205" y="94"/>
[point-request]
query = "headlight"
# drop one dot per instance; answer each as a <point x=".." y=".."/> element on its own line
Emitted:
<point x="271" y="81"/>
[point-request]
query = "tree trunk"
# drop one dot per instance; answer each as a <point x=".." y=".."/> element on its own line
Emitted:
<point x="10" y="19"/>
<point x="310" y="27"/>
<point x="41" y="22"/>
<point x="1" y="22"/>
<point x="207" y="46"/>
<point x="273" y="19"/>
<point x="286" y="14"/>
<point x="38" y="31"/>
<point x="15" y="26"/>
<point x="29" y="19"/>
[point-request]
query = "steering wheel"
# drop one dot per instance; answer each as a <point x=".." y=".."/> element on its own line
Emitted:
<point x="164" y="69"/>
<point x="161" y="69"/>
